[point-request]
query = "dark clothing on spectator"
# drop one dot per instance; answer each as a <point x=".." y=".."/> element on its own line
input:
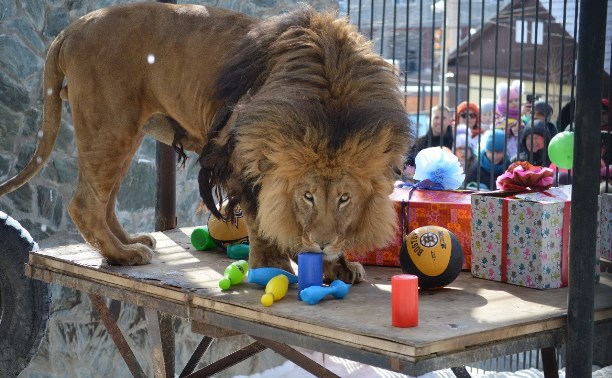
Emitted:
<point x="539" y="157"/>
<point x="429" y="140"/>
<point x="485" y="177"/>
<point x="552" y="129"/>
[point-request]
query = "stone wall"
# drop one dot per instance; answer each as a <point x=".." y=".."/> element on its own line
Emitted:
<point x="76" y="343"/>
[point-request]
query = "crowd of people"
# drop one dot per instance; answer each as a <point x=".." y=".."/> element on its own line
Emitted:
<point x="488" y="135"/>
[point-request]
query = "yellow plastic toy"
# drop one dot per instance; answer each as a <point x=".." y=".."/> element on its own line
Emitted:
<point x="275" y="290"/>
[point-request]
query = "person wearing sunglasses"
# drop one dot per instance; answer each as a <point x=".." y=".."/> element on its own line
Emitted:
<point x="469" y="114"/>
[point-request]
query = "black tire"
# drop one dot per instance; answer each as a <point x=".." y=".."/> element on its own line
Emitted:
<point x="24" y="303"/>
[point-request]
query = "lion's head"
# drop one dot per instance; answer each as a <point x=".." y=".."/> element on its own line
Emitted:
<point x="312" y="147"/>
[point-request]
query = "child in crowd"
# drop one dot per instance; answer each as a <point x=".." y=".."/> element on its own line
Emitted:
<point x="507" y="114"/>
<point x="463" y="150"/>
<point x="534" y="144"/>
<point x="492" y="162"/>
<point x="486" y="115"/>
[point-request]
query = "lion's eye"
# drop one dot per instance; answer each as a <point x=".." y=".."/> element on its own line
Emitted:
<point x="344" y="199"/>
<point x="308" y="197"/>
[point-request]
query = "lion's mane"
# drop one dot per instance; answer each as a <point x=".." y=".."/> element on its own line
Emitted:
<point x="304" y="93"/>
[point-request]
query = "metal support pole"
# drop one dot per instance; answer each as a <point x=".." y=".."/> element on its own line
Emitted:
<point x="165" y="202"/>
<point x="585" y="188"/>
<point x="165" y="219"/>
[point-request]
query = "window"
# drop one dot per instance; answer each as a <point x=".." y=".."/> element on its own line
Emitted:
<point x="534" y="32"/>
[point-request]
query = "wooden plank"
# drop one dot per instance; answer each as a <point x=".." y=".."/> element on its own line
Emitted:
<point x="466" y="314"/>
<point x="108" y="291"/>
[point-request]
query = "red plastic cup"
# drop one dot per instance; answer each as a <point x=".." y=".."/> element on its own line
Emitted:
<point x="404" y="300"/>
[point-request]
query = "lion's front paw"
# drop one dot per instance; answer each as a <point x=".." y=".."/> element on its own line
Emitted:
<point x="340" y="269"/>
<point x="145" y="239"/>
<point x="133" y="254"/>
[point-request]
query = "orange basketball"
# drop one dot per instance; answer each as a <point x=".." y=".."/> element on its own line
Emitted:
<point x="433" y="254"/>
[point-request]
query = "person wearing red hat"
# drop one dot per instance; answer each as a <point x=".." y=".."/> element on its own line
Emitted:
<point x="469" y="114"/>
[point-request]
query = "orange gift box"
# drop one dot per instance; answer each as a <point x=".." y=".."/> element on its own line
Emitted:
<point x="445" y="208"/>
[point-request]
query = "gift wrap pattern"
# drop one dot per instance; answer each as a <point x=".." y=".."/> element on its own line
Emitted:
<point x="532" y="226"/>
<point x="605" y="226"/>
<point x="416" y="208"/>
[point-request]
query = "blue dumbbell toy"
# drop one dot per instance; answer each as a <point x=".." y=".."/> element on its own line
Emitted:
<point x="314" y="294"/>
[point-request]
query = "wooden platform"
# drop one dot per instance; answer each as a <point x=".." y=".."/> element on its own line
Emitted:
<point x="470" y="320"/>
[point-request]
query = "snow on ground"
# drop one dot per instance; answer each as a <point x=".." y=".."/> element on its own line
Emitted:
<point x="347" y="368"/>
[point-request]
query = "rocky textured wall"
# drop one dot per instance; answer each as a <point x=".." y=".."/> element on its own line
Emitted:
<point x="76" y="343"/>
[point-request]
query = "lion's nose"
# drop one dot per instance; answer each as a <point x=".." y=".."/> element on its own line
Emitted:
<point x="323" y="245"/>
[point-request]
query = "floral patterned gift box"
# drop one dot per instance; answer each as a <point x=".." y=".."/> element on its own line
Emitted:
<point x="417" y="207"/>
<point x="522" y="239"/>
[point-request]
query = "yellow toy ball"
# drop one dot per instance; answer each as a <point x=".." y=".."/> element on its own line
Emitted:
<point x="224" y="232"/>
<point x="433" y="254"/>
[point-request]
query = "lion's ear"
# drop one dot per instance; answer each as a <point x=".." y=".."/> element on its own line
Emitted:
<point x="265" y="166"/>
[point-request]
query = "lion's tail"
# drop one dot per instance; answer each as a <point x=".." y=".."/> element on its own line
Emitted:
<point x="52" y="113"/>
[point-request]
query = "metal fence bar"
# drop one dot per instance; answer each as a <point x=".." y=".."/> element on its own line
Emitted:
<point x="585" y="188"/>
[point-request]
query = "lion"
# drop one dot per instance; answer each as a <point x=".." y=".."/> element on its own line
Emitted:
<point x="295" y="118"/>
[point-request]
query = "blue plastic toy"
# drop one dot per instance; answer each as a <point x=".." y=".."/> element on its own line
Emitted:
<point x="238" y="251"/>
<point x="310" y="270"/>
<point x="314" y="294"/>
<point x="262" y="276"/>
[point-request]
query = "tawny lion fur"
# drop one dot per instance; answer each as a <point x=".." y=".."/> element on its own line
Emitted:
<point x="296" y="119"/>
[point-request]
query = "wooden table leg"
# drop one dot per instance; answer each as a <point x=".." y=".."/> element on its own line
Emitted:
<point x="229" y="360"/>
<point x="115" y="333"/>
<point x="298" y="358"/>
<point x="196" y="356"/>
<point x="461" y="372"/>
<point x="159" y="364"/>
<point x="549" y="362"/>
<point x="166" y="329"/>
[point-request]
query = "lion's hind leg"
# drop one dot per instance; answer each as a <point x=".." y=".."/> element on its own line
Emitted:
<point x="111" y="215"/>
<point x="118" y="230"/>
<point x="105" y="152"/>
